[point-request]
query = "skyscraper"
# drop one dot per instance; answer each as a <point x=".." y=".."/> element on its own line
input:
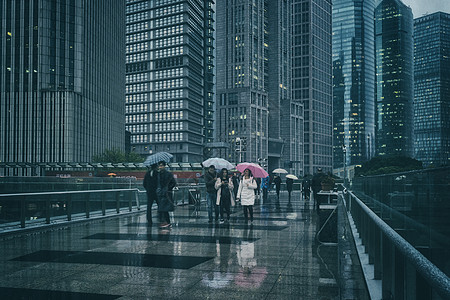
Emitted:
<point x="312" y="80"/>
<point x="169" y="81"/>
<point x="353" y="81"/>
<point x="61" y="80"/>
<point x="432" y="89"/>
<point x="242" y="101"/>
<point x="394" y="78"/>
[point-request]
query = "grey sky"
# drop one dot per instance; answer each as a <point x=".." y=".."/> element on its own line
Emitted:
<point x="421" y="7"/>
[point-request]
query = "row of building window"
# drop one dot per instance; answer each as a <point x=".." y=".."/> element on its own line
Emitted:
<point x="168" y="10"/>
<point x="137" y="128"/>
<point x="177" y="104"/>
<point x="136" y="37"/>
<point x="137" y="47"/>
<point x="169" y="73"/>
<point x="168" y="137"/>
<point x="137" y="17"/>
<point x="136" y="57"/>
<point x="139" y="138"/>
<point x="138" y="118"/>
<point x="136" y="77"/>
<point x="170" y="94"/>
<point x="168" y="84"/>
<point x="169" y="115"/>
<point x="136" y="98"/>
<point x="168" y="31"/>
<point x="169" y="126"/>
<point x="172" y="41"/>
<point x="136" y="108"/>
<point x="139" y="87"/>
<point x="137" y="27"/>
<point x="168" y="52"/>
<point x="137" y="7"/>
<point x="168" y="21"/>
<point x="164" y="2"/>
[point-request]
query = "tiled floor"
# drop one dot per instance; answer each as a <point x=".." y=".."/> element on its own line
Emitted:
<point x="122" y="258"/>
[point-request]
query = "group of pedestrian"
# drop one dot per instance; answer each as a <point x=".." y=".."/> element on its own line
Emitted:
<point x="223" y="190"/>
<point x="159" y="183"/>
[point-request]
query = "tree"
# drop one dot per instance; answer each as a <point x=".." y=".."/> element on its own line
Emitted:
<point x="388" y="164"/>
<point x="117" y="156"/>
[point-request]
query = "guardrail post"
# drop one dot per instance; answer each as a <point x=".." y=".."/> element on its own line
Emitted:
<point x="69" y="207"/>
<point x="88" y="206"/>
<point x="22" y="212"/>
<point x="47" y="211"/>
<point x="103" y="204"/>
<point x="117" y="202"/>
<point x="130" y="200"/>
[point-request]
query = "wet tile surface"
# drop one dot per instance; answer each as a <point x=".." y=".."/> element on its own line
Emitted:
<point x="276" y="257"/>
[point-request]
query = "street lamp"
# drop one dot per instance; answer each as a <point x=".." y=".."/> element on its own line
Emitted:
<point x="344" y="152"/>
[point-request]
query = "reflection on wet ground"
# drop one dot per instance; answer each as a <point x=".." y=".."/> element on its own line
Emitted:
<point x="276" y="257"/>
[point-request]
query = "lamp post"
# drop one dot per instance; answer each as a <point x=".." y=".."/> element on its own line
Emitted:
<point x="344" y="152"/>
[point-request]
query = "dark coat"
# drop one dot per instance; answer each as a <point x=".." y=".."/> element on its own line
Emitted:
<point x="277" y="181"/>
<point x="150" y="186"/>
<point x="316" y="182"/>
<point x="166" y="184"/>
<point x="289" y="184"/>
<point x="210" y="181"/>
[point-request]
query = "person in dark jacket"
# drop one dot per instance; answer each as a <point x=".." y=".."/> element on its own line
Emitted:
<point x="150" y="187"/>
<point x="306" y="187"/>
<point x="165" y="182"/>
<point x="211" y="192"/>
<point x="277" y="182"/>
<point x="316" y="185"/>
<point x="289" y="186"/>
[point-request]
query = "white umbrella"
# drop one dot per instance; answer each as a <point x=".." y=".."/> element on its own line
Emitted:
<point x="291" y="176"/>
<point x="219" y="163"/>
<point x="280" y="171"/>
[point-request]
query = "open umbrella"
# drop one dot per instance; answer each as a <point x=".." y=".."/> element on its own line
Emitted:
<point x="257" y="170"/>
<point x="157" y="157"/>
<point x="280" y="171"/>
<point x="291" y="176"/>
<point x="112" y="174"/>
<point x="219" y="163"/>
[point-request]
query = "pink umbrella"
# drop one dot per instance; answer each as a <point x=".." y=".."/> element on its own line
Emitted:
<point x="257" y="170"/>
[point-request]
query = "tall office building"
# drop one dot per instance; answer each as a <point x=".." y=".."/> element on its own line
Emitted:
<point x="312" y="80"/>
<point x="353" y="81"/>
<point x="169" y="81"/>
<point x="61" y="80"/>
<point x="242" y="100"/>
<point x="394" y="78"/>
<point x="432" y="89"/>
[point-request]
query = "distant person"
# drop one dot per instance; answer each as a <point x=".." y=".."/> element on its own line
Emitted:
<point x="316" y="185"/>
<point x="265" y="186"/>
<point x="306" y="187"/>
<point x="277" y="182"/>
<point x="225" y="195"/>
<point x="246" y="194"/>
<point x="150" y="186"/>
<point x="165" y="182"/>
<point x="289" y="186"/>
<point x="235" y="180"/>
<point x="211" y="192"/>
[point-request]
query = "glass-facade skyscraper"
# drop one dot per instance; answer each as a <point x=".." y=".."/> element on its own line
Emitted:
<point x="242" y="100"/>
<point x="353" y="81"/>
<point x="432" y="89"/>
<point x="394" y="63"/>
<point x="312" y="80"/>
<point x="169" y="77"/>
<point x="62" y="74"/>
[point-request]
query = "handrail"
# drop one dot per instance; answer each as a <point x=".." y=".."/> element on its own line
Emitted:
<point x="68" y="192"/>
<point x="433" y="275"/>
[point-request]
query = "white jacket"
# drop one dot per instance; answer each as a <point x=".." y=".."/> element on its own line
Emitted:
<point x="246" y="191"/>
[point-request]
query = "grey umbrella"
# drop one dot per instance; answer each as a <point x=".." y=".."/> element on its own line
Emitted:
<point x="157" y="157"/>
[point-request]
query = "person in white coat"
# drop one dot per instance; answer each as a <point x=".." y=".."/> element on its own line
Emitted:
<point x="246" y="194"/>
<point x="225" y="196"/>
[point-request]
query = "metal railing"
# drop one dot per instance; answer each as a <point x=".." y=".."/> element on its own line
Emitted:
<point x="404" y="271"/>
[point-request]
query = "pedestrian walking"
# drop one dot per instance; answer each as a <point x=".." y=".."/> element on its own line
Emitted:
<point x="235" y="180"/>
<point x="316" y="185"/>
<point x="277" y="182"/>
<point x="289" y="186"/>
<point x="165" y="182"/>
<point x="265" y="185"/>
<point x="150" y="186"/>
<point x="246" y="194"/>
<point x="225" y="196"/>
<point x="306" y="188"/>
<point x="211" y="192"/>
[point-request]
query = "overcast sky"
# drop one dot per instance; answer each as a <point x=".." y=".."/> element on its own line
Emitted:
<point x="421" y="7"/>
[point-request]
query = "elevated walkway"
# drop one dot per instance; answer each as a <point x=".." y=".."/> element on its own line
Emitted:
<point x="276" y="257"/>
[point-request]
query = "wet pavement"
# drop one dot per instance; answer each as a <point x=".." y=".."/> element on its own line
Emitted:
<point x="276" y="257"/>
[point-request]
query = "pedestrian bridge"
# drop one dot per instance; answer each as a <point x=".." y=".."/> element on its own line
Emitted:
<point x="96" y="244"/>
